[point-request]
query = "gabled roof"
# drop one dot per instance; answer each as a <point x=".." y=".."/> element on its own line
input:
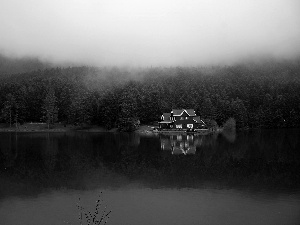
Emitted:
<point x="191" y="112"/>
<point x="198" y="120"/>
<point x="166" y="116"/>
<point x="178" y="112"/>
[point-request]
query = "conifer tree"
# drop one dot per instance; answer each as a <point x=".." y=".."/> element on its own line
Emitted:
<point x="50" y="109"/>
<point x="8" y="112"/>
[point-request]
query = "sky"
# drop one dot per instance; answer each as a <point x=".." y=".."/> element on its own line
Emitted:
<point x="150" y="32"/>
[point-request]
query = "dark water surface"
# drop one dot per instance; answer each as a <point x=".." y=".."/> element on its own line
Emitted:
<point x="251" y="177"/>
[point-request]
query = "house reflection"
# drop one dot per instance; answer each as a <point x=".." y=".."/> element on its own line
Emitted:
<point x="180" y="144"/>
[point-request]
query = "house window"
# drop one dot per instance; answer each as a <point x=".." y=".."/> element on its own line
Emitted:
<point x="186" y="118"/>
<point x="182" y="118"/>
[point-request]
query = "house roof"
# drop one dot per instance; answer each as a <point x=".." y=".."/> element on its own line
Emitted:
<point x="178" y="112"/>
<point x="198" y="120"/>
<point x="191" y="112"/>
<point x="166" y="116"/>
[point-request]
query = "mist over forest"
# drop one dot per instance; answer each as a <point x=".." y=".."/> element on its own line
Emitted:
<point x="257" y="94"/>
<point x="106" y="61"/>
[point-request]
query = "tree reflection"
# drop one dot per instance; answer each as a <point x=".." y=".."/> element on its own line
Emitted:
<point x="230" y="135"/>
<point x="80" y="160"/>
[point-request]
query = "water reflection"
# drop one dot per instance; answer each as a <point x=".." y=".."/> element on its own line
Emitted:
<point x="77" y="160"/>
<point x="252" y="175"/>
<point x="10" y="151"/>
<point x="180" y="144"/>
<point x="229" y="135"/>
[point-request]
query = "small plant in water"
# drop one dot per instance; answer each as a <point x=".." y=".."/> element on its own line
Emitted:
<point x="97" y="217"/>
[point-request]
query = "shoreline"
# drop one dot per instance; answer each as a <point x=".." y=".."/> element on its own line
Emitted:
<point x="59" y="128"/>
<point x="56" y="128"/>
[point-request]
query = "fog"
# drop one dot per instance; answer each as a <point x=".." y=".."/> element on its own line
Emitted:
<point x="149" y="32"/>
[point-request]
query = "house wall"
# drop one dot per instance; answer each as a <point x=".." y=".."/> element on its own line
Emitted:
<point x="185" y="122"/>
<point x="164" y="125"/>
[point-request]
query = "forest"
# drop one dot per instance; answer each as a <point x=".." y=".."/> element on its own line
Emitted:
<point x="262" y="94"/>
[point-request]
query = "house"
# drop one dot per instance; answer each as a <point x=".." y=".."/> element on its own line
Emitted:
<point x="181" y="119"/>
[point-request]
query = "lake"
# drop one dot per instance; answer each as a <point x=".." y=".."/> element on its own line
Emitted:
<point x="248" y="177"/>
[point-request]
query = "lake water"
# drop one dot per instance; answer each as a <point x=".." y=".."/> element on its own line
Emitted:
<point x="249" y="177"/>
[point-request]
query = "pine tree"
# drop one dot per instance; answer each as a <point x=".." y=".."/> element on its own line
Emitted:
<point x="8" y="112"/>
<point x="80" y="110"/>
<point x="128" y="120"/>
<point x="50" y="109"/>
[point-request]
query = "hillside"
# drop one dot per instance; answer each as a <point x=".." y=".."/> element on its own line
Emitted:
<point x="256" y="95"/>
<point x="10" y="65"/>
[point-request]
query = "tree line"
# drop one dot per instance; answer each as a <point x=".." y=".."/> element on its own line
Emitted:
<point x="254" y="94"/>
